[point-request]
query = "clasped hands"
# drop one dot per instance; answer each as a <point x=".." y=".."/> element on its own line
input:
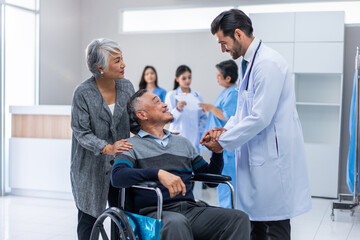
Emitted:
<point x="210" y="139"/>
<point x="174" y="183"/>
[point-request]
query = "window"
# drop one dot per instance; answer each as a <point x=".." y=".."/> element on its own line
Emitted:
<point x="20" y="55"/>
<point x="29" y="4"/>
<point x="190" y="19"/>
<point x="160" y="20"/>
<point x="19" y="67"/>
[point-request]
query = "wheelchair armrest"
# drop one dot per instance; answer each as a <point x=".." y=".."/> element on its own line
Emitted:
<point x="213" y="180"/>
<point x="147" y="184"/>
<point x="210" y="178"/>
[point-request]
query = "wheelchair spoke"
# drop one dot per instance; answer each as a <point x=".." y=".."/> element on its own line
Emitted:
<point x="103" y="233"/>
<point x="118" y="217"/>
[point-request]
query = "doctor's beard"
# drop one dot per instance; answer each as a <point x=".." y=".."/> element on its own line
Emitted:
<point x="236" y="50"/>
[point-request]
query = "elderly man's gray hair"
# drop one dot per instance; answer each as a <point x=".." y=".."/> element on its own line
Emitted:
<point x="97" y="54"/>
<point x="132" y="108"/>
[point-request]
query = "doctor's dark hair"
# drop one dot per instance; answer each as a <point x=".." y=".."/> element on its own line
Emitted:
<point x="180" y="70"/>
<point x="142" y="84"/>
<point x="131" y="109"/>
<point x="228" y="68"/>
<point x="230" y="20"/>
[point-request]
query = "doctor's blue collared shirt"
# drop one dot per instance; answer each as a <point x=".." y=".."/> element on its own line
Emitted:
<point x="163" y="142"/>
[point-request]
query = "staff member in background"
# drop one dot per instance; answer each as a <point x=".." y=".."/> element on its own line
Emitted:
<point x="219" y="113"/>
<point x="189" y="119"/>
<point x="100" y="125"/>
<point x="272" y="180"/>
<point x="149" y="81"/>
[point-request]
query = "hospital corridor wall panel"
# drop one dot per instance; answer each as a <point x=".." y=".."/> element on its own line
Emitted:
<point x="274" y="27"/>
<point x="317" y="57"/>
<point x="319" y="26"/>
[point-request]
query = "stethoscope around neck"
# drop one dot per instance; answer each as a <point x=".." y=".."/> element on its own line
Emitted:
<point x="251" y="66"/>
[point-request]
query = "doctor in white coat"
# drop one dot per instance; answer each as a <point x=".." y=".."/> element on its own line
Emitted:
<point x="272" y="180"/>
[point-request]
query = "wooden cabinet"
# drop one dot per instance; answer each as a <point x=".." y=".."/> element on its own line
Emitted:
<point x="40" y="151"/>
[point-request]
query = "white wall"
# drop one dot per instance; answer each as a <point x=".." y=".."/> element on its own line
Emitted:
<point x="67" y="26"/>
<point x="60" y="50"/>
<point x="166" y="51"/>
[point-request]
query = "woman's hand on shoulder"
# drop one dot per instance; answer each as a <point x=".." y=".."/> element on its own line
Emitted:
<point x="117" y="147"/>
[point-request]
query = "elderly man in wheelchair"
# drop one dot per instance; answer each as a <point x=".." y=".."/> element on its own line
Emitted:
<point x="170" y="160"/>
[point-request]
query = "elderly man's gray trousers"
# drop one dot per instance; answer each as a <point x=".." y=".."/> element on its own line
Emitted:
<point x="188" y="220"/>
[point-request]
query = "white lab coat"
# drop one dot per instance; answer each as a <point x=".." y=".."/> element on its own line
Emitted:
<point x="272" y="179"/>
<point x="189" y="122"/>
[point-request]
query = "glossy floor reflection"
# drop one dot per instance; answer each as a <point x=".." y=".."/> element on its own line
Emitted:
<point x="24" y="218"/>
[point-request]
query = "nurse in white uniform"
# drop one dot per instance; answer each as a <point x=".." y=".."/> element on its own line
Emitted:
<point x="183" y="103"/>
<point x="272" y="180"/>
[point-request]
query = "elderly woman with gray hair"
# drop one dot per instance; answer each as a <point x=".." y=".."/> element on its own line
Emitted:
<point x="100" y="125"/>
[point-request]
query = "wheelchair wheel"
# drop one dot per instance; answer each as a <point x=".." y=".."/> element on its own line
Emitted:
<point x="121" y="221"/>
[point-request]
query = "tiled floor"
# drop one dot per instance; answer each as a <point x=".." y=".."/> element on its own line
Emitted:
<point x="23" y="218"/>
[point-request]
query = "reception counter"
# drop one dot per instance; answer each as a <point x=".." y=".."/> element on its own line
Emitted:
<point x="40" y="150"/>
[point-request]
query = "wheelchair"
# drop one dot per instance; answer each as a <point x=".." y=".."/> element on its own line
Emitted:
<point x="124" y="220"/>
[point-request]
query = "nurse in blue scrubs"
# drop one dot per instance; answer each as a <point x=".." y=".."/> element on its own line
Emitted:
<point x="149" y="81"/>
<point x="223" y="108"/>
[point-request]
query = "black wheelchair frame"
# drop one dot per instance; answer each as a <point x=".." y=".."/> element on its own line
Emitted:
<point x="119" y="218"/>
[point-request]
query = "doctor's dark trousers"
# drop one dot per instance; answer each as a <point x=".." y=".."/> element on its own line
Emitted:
<point x="271" y="230"/>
